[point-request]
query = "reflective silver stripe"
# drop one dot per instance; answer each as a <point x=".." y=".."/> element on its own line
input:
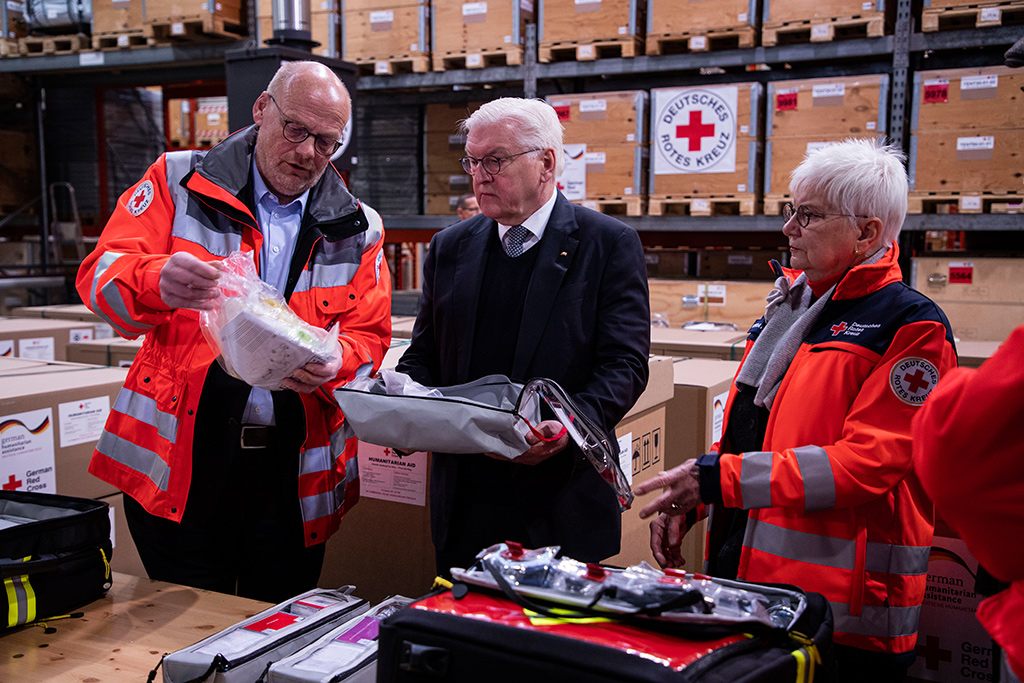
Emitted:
<point x="112" y="295"/>
<point x="756" y="480"/>
<point x="320" y="505"/>
<point x="135" y="457"/>
<point x="906" y="560"/>
<point x="880" y="622"/>
<point x="216" y="241"/>
<point x="313" y="460"/>
<point x="816" y="473"/>
<point x="323" y="504"/>
<point x="144" y="409"/>
<point x="838" y="553"/>
<point x="334" y="264"/>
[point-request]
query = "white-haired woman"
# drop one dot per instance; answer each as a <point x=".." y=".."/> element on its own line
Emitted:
<point x="812" y="482"/>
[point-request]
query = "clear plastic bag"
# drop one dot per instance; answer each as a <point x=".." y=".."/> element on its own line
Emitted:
<point x="259" y="339"/>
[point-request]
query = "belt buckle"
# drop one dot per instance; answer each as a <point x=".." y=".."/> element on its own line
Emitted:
<point x="254" y="436"/>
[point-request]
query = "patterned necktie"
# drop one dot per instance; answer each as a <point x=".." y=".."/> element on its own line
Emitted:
<point x="514" y="239"/>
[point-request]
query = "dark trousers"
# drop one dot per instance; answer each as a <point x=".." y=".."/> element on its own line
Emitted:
<point x="241" y="532"/>
<point x="859" y="666"/>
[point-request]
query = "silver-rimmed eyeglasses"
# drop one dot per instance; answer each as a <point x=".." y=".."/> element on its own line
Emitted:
<point x="296" y="133"/>
<point x="490" y="163"/>
<point x="804" y="215"/>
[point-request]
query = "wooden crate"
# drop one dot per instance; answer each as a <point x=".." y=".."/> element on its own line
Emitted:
<point x="589" y="21"/>
<point x="186" y="20"/>
<point x="775" y="12"/>
<point x="976" y="160"/>
<point x="855" y="105"/>
<point x="695" y="16"/>
<point x="962" y="99"/>
<point x="441" y="204"/>
<point x="823" y="30"/>
<point x="737" y="264"/>
<point x="466" y="32"/>
<point x="16" y="24"/>
<point x="394" y="31"/>
<point x="784" y="154"/>
<point x="445" y="118"/>
<point x="180" y="122"/>
<point x="448" y="183"/>
<point x="982" y="297"/>
<point x="117" y="16"/>
<point x="324" y="28"/>
<point x="726" y="118"/>
<point x="211" y="120"/>
<point x="443" y="152"/>
<point x="615" y="170"/>
<point x="738" y="302"/>
<point x="954" y="17"/>
<point x="603" y="118"/>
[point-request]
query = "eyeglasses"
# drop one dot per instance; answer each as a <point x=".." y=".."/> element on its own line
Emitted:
<point x="491" y="164"/>
<point x="296" y="133"/>
<point x="804" y="215"/>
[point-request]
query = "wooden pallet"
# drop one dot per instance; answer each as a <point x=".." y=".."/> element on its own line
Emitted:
<point x="389" y="66"/>
<point x="53" y="45"/>
<point x="713" y="40"/>
<point x="9" y="47"/>
<point x="615" y="206"/>
<point x="584" y="50"/>
<point x="710" y="205"/>
<point x="972" y="16"/>
<point x="124" y="40"/>
<point x="773" y="204"/>
<point x="193" y="28"/>
<point x="822" y="30"/>
<point x="965" y="202"/>
<point x="478" y="59"/>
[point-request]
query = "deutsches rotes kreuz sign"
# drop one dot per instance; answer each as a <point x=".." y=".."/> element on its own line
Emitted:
<point x="695" y="130"/>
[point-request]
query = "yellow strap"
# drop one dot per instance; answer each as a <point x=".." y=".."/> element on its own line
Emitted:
<point x="11" y="585"/>
<point x="106" y="565"/>
<point x="801" y="665"/>
<point x="442" y="583"/>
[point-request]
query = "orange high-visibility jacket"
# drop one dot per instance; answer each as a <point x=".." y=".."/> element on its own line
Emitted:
<point x="834" y="505"/>
<point x="187" y="201"/>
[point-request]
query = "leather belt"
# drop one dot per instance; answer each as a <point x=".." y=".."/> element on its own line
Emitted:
<point x="255" y="436"/>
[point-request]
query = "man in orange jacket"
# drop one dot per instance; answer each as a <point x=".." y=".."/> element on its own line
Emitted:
<point x="968" y="455"/>
<point x="229" y="487"/>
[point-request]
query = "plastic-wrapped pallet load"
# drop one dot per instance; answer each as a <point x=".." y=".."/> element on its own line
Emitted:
<point x="241" y="653"/>
<point x="348" y="653"/>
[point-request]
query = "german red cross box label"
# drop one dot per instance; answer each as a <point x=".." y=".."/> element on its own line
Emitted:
<point x="695" y="130"/>
<point x="961" y="272"/>
<point x="936" y="91"/>
<point x="786" y="100"/>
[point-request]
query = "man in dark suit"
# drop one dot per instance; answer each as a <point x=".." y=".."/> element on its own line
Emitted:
<point x="534" y="286"/>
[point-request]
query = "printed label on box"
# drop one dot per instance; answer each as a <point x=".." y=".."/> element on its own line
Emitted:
<point x="700" y="206"/>
<point x="83" y="334"/>
<point x="382" y="16"/>
<point x="698" y="42"/>
<point x="990" y="14"/>
<point x="526" y="6"/>
<point x="718" y="414"/>
<point x="27" y="461"/>
<point x="595" y="158"/>
<point x="385" y="475"/>
<point x="562" y="111"/>
<point x="713" y="294"/>
<point x="573" y="181"/>
<point x="970" y="203"/>
<point x="786" y="100"/>
<point x="82" y="421"/>
<point x="471" y="9"/>
<point x="38" y="348"/>
<point x="589" y="106"/>
<point x="626" y="456"/>
<point x="695" y="130"/>
<point x="961" y="272"/>
<point x="828" y="91"/>
<point x="975" y="143"/>
<point x="6" y="348"/>
<point x="474" y="60"/>
<point x="819" y="31"/>
<point x="979" y="82"/>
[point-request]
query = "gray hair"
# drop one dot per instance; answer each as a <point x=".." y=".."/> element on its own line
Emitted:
<point x="535" y="122"/>
<point x="857" y="177"/>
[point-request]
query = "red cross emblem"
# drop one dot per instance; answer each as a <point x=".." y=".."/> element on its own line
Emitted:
<point x="915" y="382"/>
<point x="695" y="131"/>
<point x="140" y="199"/>
<point x="933" y="653"/>
<point x="12" y="484"/>
<point x="838" y="329"/>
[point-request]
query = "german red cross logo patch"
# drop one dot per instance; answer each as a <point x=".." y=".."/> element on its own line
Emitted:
<point x="695" y="131"/>
<point x="140" y="199"/>
<point x="912" y="379"/>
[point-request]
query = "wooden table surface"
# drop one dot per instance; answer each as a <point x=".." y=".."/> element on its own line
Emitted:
<point x="122" y="636"/>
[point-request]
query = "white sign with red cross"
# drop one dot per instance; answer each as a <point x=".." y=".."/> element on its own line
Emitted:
<point x="912" y="379"/>
<point x="140" y="199"/>
<point x="695" y="130"/>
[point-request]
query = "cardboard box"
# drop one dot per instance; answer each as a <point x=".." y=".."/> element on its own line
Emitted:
<point x="680" y="343"/>
<point x="40" y="339"/>
<point x="697" y="409"/>
<point x="952" y="645"/>
<point x="55" y="413"/>
<point x="982" y="297"/>
<point x="101" y="330"/>
<point x="117" y="352"/>
<point x="401" y="327"/>
<point x="126" y="556"/>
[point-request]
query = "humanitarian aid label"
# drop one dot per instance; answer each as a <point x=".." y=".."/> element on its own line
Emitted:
<point x="37" y="348"/>
<point x="385" y="475"/>
<point x="82" y="421"/>
<point x="26" y="452"/>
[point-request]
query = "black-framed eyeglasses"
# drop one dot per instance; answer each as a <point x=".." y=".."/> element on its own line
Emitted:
<point x="804" y="215"/>
<point x="491" y="163"/>
<point x="295" y="133"/>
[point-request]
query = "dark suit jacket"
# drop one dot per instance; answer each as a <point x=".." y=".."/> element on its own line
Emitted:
<point x="586" y="325"/>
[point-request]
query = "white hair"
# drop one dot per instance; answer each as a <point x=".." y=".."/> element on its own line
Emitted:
<point x="535" y="123"/>
<point x="857" y="177"/>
